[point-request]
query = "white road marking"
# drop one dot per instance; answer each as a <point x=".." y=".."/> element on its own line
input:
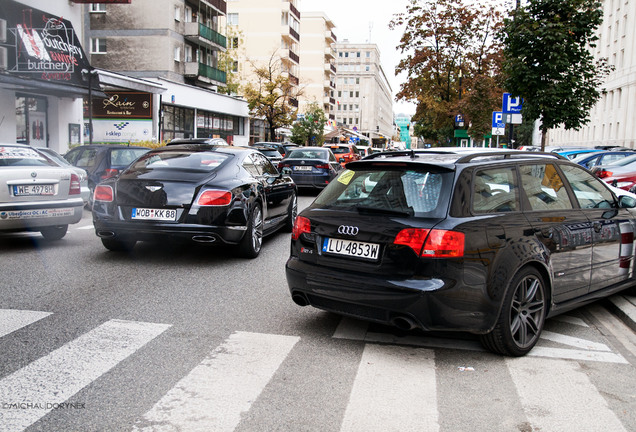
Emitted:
<point x="395" y="390"/>
<point x="12" y="320"/>
<point x="353" y="329"/>
<point x="215" y="393"/>
<point x="570" y="320"/>
<point x="557" y="396"/>
<point x="31" y="392"/>
<point x="573" y="341"/>
<point x="86" y="227"/>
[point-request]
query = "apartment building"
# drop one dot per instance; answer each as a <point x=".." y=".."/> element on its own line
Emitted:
<point x="613" y="118"/>
<point x="317" y="62"/>
<point x="178" y="45"/>
<point x="269" y="32"/>
<point x="364" y="100"/>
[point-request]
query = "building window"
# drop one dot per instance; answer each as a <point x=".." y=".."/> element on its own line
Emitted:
<point x="232" y="19"/>
<point x="187" y="17"/>
<point x="188" y="54"/>
<point x="367" y="68"/>
<point x="97" y="8"/>
<point x="235" y="67"/>
<point x="177" y="53"/>
<point x="177" y="13"/>
<point x="98" y="46"/>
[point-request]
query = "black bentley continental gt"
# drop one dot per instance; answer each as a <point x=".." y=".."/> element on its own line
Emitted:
<point x="220" y="195"/>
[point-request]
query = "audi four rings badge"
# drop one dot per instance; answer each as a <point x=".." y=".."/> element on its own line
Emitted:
<point x="348" y="230"/>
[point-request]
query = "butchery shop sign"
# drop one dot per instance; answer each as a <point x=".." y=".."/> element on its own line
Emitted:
<point x="43" y="46"/>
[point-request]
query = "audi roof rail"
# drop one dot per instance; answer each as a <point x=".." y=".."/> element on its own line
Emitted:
<point x="411" y="153"/>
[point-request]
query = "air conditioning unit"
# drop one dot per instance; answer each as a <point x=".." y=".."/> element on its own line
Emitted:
<point x="4" y="58"/>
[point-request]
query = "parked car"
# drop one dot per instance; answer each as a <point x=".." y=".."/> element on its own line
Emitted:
<point x="81" y="173"/>
<point x="484" y="242"/>
<point x="218" y="195"/>
<point x="278" y="146"/>
<point x="365" y="151"/>
<point x="209" y="141"/>
<point x="269" y="151"/>
<point x="313" y="167"/>
<point x="575" y="154"/>
<point x="289" y="147"/>
<point x="620" y="173"/>
<point x="602" y="158"/>
<point x="36" y="193"/>
<point x="344" y="153"/>
<point x="102" y="161"/>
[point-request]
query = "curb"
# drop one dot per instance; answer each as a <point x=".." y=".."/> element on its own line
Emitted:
<point x="624" y="307"/>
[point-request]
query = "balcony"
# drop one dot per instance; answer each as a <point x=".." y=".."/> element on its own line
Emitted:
<point x="289" y="33"/>
<point x="203" y="35"/>
<point x="330" y="37"/>
<point x="293" y="102"/>
<point x="293" y="56"/>
<point x="200" y="70"/>
<point x="221" y="5"/>
<point x="330" y="53"/>
<point x="289" y="7"/>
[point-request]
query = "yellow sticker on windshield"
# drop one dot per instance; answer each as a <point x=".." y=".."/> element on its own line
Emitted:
<point x="346" y="177"/>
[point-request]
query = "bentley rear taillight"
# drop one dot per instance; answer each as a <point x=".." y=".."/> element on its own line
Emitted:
<point x="214" y="197"/>
<point x="103" y="193"/>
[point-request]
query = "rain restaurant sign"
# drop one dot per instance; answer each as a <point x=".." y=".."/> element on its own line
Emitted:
<point x="43" y="47"/>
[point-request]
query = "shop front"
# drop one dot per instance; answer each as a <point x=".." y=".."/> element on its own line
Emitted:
<point x="44" y="74"/>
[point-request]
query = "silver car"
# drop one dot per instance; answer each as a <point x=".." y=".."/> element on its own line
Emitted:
<point x="36" y="194"/>
<point x="85" y="192"/>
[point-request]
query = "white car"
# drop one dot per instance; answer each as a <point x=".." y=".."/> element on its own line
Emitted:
<point x="83" y="177"/>
<point x="36" y="194"/>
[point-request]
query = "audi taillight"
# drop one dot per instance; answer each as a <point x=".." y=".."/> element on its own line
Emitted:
<point x="301" y="225"/>
<point x="214" y="197"/>
<point x="109" y="172"/>
<point x="103" y="193"/>
<point x="74" y="187"/>
<point x="432" y="243"/>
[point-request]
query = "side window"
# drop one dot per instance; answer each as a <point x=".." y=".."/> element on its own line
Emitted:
<point x="544" y="188"/>
<point x="72" y="156"/>
<point x="263" y="165"/>
<point x="87" y="158"/>
<point x="589" y="191"/>
<point x="611" y="158"/>
<point x="250" y="167"/>
<point x="495" y="190"/>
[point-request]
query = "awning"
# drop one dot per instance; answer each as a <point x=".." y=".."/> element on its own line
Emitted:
<point x="112" y="79"/>
<point x="45" y="87"/>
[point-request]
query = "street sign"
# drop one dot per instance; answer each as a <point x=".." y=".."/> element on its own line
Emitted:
<point x="497" y="120"/>
<point x="498" y="131"/>
<point x="513" y="118"/>
<point x="459" y="120"/>
<point x="511" y="105"/>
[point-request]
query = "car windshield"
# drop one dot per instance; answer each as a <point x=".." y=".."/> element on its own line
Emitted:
<point x="179" y="160"/>
<point x="270" y="153"/>
<point x="339" y="150"/>
<point x="307" y="154"/>
<point x="624" y="161"/>
<point x="419" y="193"/>
<point x="122" y="157"/>
<point x="21" y="156"/>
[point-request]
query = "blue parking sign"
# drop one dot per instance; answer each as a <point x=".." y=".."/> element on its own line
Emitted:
<point x="497" y="120"/>
<point x="511" y="105"/>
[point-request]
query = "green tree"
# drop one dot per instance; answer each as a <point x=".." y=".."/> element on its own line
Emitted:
<point x="548" y="61"/>
<point x="228" y="61"/>
<point x="272" y="97"/>
<point x="452" y="60"/>
<point x="310" y="130"/>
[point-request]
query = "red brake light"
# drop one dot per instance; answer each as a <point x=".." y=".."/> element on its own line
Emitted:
<point x="213" y="197"/>
<point x="439" y="243"/>
<point x="75" y="187"/>
<point x="604" y="174"/>
<point x="103" y="193"/>
<point x="109" y="172"/>
<point x="413" y="238"/>
<point x="323" y="166"/>
<point x="301" y="225"/>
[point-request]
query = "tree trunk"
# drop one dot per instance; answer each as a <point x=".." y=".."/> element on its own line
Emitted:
<point x="544" y="136"/>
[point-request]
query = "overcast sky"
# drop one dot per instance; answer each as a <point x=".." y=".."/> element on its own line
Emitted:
<point x="362" y="21"/>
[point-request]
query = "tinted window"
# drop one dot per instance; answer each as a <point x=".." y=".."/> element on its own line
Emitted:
<point x="263" y="165"/>
<point x="86" y="158"/>
<point x="495" y="190"/>
<point x="21" y="156"/>
<point x="544" y="187"/>
<point x="167" y="160"/>
<point x="307" y="154"/>
<point x="123" y="157"/>
<point x="410" y="192"/>
<point x="589" y="191"/>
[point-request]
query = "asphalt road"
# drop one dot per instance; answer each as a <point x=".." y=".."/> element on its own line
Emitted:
<point x="183" y="337"/>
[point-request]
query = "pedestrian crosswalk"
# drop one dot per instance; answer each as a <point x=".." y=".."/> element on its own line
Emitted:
<point x="400" y="384"/>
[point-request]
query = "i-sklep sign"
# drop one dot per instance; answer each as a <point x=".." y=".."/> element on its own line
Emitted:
<point x="121" y="131"/>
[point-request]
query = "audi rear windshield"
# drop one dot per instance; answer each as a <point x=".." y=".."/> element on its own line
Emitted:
<point x="394" y="191"/>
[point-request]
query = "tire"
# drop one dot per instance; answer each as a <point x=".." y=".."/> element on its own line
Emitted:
<point x="252" y="242"/>
<point x="118" y="245"/>
<point x="522" y="316"/>
<point x="54" y="232"/>
<point x="292" y="212"/>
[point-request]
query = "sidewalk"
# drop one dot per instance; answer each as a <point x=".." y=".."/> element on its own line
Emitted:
<point x="624" y="306"/>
